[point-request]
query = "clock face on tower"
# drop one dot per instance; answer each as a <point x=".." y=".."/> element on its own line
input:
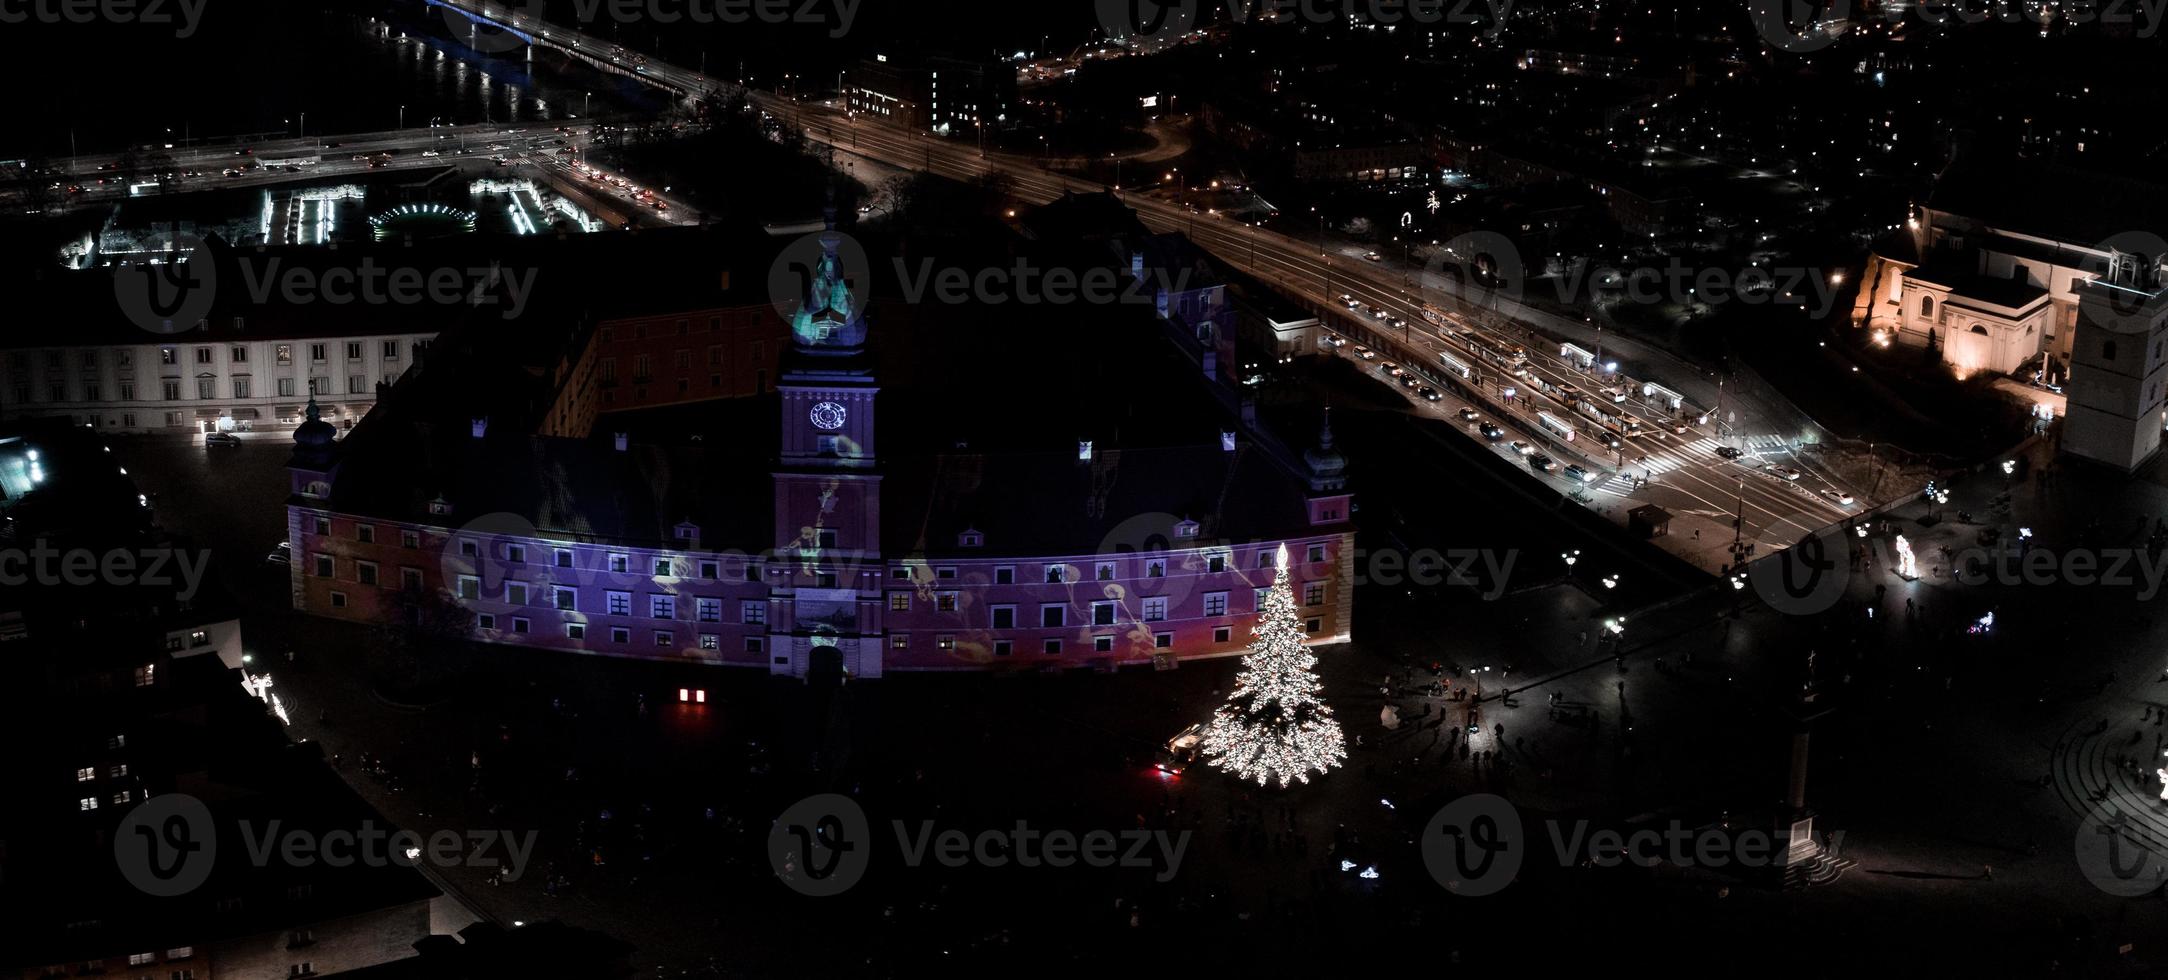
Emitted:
<point x="828" y="415"/>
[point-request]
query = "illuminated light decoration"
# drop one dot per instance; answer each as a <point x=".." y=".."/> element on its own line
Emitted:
<point x="1370" y="872"/>
<point x="1275" y="727"/>
<point x="1908" y="566"/>
<point x="1346" y="865"/>
<point x="828" y="416"/>
<point x="1861" y="530"/>
<point x="1985" y="624"/>
<point x="423" y="215"/>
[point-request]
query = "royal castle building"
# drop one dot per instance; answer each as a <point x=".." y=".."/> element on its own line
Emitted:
<point x="954" y="489"/>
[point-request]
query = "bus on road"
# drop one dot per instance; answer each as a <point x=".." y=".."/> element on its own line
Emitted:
<point x="1556" y="426"/>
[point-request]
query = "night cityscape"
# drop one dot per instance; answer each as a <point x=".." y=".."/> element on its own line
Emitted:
<point x="863" y="488"/>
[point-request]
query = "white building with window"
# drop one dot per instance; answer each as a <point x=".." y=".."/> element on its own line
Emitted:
<point x="1991" y="269"/>
<point x="203" y="380"/>
<point x="2119" y="365"/>
<point x="76" y="354"/>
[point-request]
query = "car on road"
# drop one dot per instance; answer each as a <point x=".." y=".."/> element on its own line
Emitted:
<point x="1538" y="461"/>
<point x="1335" y="340"/>
<point x="1378" y="313"/>
<point x="1729" y="452"/>
<point x="1578" y="474"/>
<point x="431" y="153"/>
<point x="1429" y="393"/>
<point x="1612" y="441"/>
<point x="1839" y="496"/>
<point x="1348" y="300"/>
<point x="1410" y="382"/>
<point x="221" y="439"/>
<point x="1180" y="751"/>
<point x="1391" y="369"/>
<point x="1787" y="472"/>
<point x="281" y="555"/>
<point x="1520" y="448"/>
<point x="1491" y="431"/>
<point x="1373" y="256"/>
<point x="1365" y="353"/>
<point x="1467" y="415"/>
<point x="1676" y="425"/>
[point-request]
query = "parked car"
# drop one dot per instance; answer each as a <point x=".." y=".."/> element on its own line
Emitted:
<point x="221" y="439"/>
<point x="1180" y="751"/>
<point x="1538" y="461"/>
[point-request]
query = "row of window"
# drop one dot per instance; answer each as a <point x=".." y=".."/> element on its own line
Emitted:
<point x="665" y="566"/>
<point x="1150" y="609"/>
<point x="1052" y="645"/>
<point x="124" y="358"/>
<point x="206" y="389"/>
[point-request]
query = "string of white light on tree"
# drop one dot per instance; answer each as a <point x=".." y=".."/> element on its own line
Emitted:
<point x="1276" y="727"/>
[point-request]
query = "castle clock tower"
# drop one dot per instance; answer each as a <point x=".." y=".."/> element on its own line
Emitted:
<point x="826" y="578"/>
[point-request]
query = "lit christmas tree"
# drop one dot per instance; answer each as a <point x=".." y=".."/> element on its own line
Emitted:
<point x="1275" y="726"/>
